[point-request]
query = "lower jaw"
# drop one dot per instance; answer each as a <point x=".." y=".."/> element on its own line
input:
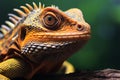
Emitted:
<point x="50" y="51"/>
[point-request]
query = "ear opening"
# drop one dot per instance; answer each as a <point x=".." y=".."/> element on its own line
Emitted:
<point x="22" y="33"/>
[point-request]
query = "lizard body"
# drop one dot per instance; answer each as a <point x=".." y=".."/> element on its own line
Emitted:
<point x="40" y="39"/>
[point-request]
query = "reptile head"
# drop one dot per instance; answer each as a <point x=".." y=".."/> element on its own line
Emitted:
<point x="52" y="32"/>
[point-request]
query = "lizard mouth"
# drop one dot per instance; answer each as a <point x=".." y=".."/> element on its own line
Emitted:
<point x="35" y="51"/>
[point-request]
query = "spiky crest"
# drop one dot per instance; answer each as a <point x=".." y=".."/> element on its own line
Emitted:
<point x="14" y="19"/>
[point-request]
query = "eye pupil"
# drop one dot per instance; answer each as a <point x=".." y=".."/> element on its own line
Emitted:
<point x="49" y="18"/>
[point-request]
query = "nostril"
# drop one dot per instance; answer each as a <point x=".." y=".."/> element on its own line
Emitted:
<point x="80" y="27"/>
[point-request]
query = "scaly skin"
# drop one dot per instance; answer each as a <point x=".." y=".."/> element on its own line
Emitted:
<point x="40" y="40"/>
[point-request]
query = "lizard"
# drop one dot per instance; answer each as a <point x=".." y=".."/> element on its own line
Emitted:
<point x="40" y="39"/>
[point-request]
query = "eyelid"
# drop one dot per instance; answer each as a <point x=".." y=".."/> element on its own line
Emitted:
<point x="50" y="13"/>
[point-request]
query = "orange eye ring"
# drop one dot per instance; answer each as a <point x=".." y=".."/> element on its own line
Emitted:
<point x="51" y="21"/>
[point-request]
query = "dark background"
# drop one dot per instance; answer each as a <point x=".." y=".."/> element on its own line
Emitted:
<point x="103" y="49"/>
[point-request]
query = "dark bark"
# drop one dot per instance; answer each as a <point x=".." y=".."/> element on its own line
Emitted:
<point x="106" y="74"/>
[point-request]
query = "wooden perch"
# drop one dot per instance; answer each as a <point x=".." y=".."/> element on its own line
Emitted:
<point x="106" y="74"/>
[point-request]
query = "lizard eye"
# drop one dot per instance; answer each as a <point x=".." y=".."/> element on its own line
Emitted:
<point x="50" y="21"/>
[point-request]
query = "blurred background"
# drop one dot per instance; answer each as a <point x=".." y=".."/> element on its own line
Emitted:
<point x="103" y="49"/>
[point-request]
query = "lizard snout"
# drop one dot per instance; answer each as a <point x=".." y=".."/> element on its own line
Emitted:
<point x="83" y="27"/>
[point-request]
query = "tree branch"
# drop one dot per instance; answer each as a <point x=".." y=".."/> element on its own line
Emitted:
<point x="106" y="74"/>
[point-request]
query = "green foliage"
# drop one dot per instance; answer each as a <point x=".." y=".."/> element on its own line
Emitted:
<point x="116" y="13"/>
